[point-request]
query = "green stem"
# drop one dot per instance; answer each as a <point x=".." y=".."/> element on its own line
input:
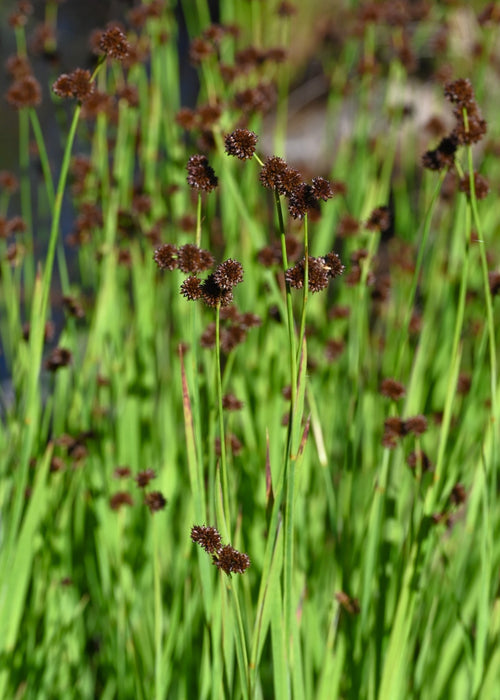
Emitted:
<point x="222" y="437"/>
<point x="416" y="276"/>
<point x="158" y="613"/>
<point x="198" y="221"/>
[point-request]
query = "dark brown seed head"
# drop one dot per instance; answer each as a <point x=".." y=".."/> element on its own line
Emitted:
<point x="334" y="348"/>
<point x="472" y="131"/>
<point x="113" y="43"/>
<point x="458" y="494"/>
<point x="166" y="257"/>
<point x="199" y="50"/>
<point x="8" y="181"/>
<point x="155" y="501"/>
<point x="395" y="425"/>
<point x="73" y="307"/>
<point x="191" y="289"/>
<point x="416" y="425"/>
<point x="461" y="93"/>
<point x="187" y="118"/>
<point x="348" y="226"/>
<point x="286" y="9"/>
<point x="119" y="499"/>
<point x="230" y="561"/>
<point x="302" y="201"/>
<point x="443" y="156"/>
<point x="201" y="175"/>
<point x="318" y="274"/>
<point x="59" y="357"/>
<point x="379" y="220"/>
<point x="241" y="143"/>
<point x="18" y="66"/>
<point x="122" y="472"/>
<point x="276" y="174"/>
<point x="322" y="189"/>
<point x="144" y="477"/>
<point x="207" y="537"/>
<point x="333" y="265"/>
<point x="192" y="259"/>
<point x="419" y="458"/>
<point x="231" y="403"/>
<point x="83" y="87"/>
<point x="24" y="92"/>
<point x="481" y="185"/>
<point x="392" y="389"/>
<point x="494" y="281"/>
<point x="213" y="294"/>
<point x="228" y="274"/>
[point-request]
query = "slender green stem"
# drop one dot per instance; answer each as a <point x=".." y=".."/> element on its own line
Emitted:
<point x="222" y="437"/>
<point x="416" y="275"/>
<point x="158" y="614"/>
<point x="306" y="285"/>
<point x="198" y="221"/>
<point x="240" y="642"/>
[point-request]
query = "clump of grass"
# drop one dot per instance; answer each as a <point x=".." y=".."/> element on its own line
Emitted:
<point x="331" y="405"/>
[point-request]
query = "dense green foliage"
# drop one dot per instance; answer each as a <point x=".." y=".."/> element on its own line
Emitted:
<point x="368" y="508"/>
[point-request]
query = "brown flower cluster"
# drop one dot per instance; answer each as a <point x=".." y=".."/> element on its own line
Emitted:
<point x="201" y="175"/>
<point x="272" y="254"/>
<point x="24" y="92"/>
<point x="225" y="557"/>
<point x="320" y="271"/>
<point x="59" y="357"/>
<point x="481" y="185"/>
<point x="188" y="258"/>
<point x="77" y="84"/>
<point x="217" y="288"/>
<point x="392" y="389"/>
<point x="470" y="127"/>
<point x="233" y="331"/>
<point x="241" y="143"/>
<point x="395" y="428"/>
<point x="450" y="513"/>
<point x="113" y="42"/>
<point x="302" y="198"/>
<point x="154" y="500"/>
<point x="380" y="220"/>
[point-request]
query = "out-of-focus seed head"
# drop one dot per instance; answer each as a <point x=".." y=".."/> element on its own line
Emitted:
<point x="201" y="175"/>
<point x="59" y="357"/>
<point x="114" y="43"/>
<point x="231" y="403"/>
<point x="119" y="499"/>
<point x="443" y="156"/>
<point x="392" y="389"/>
<point x="155" y="501"/>
<point x="379" y="220"/>
<point x="77" y="84"/>
<point x="24" y="92"/>
<point x="144" y="477"/>
<point x="166" y="257"/>
<point x="481" y="185"/>
<point x="191" y="259"/>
